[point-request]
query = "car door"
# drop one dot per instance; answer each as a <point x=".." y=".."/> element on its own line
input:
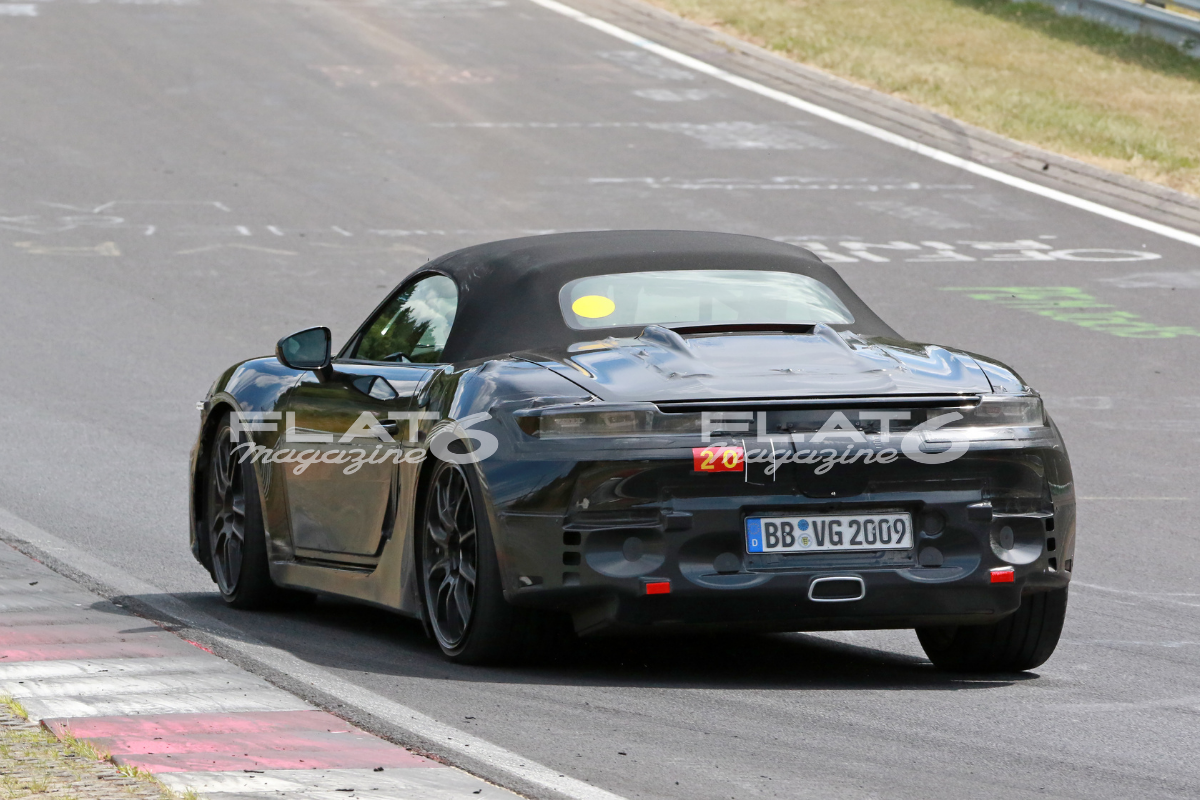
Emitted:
<point x="358" y="424"/>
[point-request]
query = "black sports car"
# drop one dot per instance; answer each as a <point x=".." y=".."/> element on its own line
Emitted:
<point x="635" y="430"/>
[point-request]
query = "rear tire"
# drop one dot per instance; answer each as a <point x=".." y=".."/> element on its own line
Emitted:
<point x="1023" y="640"/>
<point x="234" y="522"/>
<point x="461" y="587"/>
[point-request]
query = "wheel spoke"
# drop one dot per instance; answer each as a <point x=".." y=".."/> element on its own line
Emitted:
<point x="220" y="470"/>
<point x="233" y="559"/>
<point x="462" y="601"/>
<point x="448" y="608"/>
<point x="217" y="536"/>
<point x="466" y="572"/>
<point x="441" y="567"/>
<point x="445" y="510"/>
<point x="447" y="582"/>
<point x="234" y="476"/>
<point x="441" y="597"/>
<point x="457" y="511"/>
<point x="438" y="534"/>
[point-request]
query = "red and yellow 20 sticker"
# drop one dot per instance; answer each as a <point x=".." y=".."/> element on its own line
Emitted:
<point x="717" y="458"/>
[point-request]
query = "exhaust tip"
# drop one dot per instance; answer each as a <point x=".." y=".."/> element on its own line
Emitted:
<point x="840" y="589"/>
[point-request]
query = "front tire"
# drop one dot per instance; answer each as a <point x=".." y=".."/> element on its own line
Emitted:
<point x="1024" y="640"/>
<point x="234" y="522"/>
<point x="461" y="585"/>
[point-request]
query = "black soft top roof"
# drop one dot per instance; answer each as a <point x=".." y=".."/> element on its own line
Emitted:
<point x="508" y="290"/>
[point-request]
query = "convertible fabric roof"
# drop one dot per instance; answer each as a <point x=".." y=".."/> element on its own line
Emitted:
<point x="508" y="290"/>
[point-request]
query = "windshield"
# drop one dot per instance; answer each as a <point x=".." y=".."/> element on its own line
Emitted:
<point x="414" y="325"/>
<point x="699" y="296"/>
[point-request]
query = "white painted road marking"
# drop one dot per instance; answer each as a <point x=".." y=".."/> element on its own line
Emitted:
<point x="674" y="95"/>
<point x="868" y="129"/>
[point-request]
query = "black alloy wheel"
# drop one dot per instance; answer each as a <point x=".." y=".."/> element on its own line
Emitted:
<point x="451" y="556"/>
<point x="461" y="587"/>
<point x="234" y="524"/>
<point x="227" y="510"/>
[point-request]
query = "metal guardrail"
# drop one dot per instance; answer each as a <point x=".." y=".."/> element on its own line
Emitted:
<point x="1190" y="5"/>
<point x="1136" y="16"/>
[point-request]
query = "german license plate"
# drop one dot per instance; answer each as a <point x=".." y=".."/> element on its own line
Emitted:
<point x="825" y="533"/>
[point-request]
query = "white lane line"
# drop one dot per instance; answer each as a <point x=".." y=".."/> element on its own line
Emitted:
<point x="428" y="783"/>
<point x="446" y="738"/>
<point x="868" y="129"/>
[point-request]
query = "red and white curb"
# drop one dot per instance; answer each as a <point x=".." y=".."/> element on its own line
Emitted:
<point x="79" y="664"/>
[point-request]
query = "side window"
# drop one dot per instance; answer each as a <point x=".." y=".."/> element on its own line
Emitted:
<point x="414" y="326"/>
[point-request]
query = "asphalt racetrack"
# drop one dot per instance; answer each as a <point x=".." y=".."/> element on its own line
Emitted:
<point x="183" y="182"/>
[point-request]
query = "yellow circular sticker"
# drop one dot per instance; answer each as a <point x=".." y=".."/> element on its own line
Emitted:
<point x="593" y="306"/>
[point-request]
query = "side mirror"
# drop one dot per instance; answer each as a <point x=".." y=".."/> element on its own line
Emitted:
<point x="308" y="350"/>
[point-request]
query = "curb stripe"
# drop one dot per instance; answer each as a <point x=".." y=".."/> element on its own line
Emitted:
<point x="41" y="670"/>
<point x="10" y="602"/>
<point x="189" y="714"/>
<point x="282" y="740"/>
<point x="439" y="784"/>
<point x="67" y="633"/>
<point x="870" y="130"/>
<point x="213" y="679"/>
<point x="480" y="754"/>
<point x="86" y="650"/>
<point x="40" y="708"/>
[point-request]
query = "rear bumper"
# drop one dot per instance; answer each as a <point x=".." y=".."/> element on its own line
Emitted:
<point x="596" y="533"/>
<point x="782" y="602"/>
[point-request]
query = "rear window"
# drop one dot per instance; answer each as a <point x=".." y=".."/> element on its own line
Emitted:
<point x="699" y="296"/>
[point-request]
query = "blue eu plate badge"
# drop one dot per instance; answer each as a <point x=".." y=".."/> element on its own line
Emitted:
<point x="754" y="536"/>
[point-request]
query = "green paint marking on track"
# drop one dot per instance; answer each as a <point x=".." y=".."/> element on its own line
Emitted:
<point x="1070" y="304"/>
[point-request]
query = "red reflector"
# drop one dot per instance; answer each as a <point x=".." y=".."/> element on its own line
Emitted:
<point x="662" y="587"/>
<point x="718" y="459"/>
<point x="1003" y="575"/>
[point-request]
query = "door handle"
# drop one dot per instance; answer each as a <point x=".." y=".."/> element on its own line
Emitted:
<point x="391" y="426"/>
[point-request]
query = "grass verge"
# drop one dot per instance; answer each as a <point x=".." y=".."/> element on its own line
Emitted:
<point x="13" y="707"/>
<point x="1126" y="103"/>
<point x="35" y="764"/>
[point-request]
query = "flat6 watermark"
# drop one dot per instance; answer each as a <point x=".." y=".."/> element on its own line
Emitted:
<point x="456" y="441"/>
